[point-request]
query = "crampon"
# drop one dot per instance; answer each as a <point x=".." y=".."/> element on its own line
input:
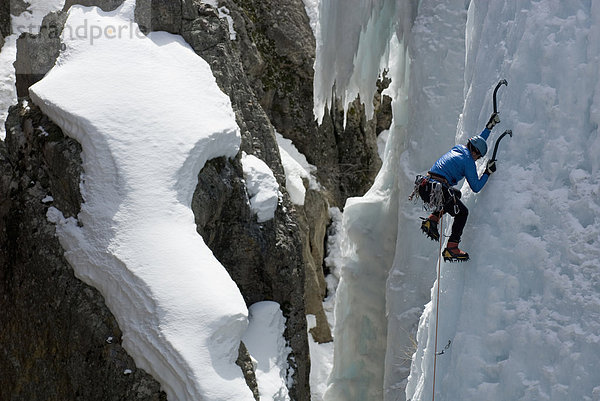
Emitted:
<point x="430" y="228"/>
<point x="453" y="254"/>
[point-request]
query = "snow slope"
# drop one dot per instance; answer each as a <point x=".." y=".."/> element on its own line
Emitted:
<point x="266" y="343"/>
<point x="522" y="317"/>
<point x="262" y="187"/>
<point x="148" y="114"/>
<point x="297" y="169"/>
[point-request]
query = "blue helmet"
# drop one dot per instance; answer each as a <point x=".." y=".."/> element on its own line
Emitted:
<point x="479" y="143"/>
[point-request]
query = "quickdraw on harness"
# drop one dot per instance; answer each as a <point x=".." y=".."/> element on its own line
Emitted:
<point x="436" y="193"/>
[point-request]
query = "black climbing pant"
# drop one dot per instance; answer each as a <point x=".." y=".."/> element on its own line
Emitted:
<point x="451" y="205"/>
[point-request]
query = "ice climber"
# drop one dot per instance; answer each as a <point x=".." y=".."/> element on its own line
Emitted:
<point x="438" y="194"/>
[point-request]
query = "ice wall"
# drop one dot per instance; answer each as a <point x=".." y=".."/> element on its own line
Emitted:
<point x="427" y="88"/>
<point x="523" y="314"/>
<point x="353" y="48"/>
<point x="433" y="104"/>
<point x="369" y="223"/>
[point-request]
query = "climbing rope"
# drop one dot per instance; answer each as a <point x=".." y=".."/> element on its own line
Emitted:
<point x="437" y="306"/>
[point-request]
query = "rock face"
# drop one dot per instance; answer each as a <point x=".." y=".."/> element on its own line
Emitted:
<point x="105" y="5"/>
<point x="277" y="50"/>
<point x="267" y="72"/>
<point x="265" y="260"/>
<point x="4" y="21"/>
<point x="313" y="218"/>
<point x="357" y="159"/>
<point x="59" y="340"/>
<point x="36" y="54"/>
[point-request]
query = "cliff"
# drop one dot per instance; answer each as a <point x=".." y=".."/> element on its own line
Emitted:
<point x="60" y="341"/>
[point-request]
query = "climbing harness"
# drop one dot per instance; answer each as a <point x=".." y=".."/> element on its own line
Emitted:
<point x="433" y="198"/>
<point x="436" y="194"/>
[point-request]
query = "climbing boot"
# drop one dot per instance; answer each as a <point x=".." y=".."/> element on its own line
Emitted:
<point x="430" y="227"/>
<point x="453" y="254"/>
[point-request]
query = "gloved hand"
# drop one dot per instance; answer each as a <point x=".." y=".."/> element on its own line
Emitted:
<point x="490" y="167"/>
<point x="494" y="119"/>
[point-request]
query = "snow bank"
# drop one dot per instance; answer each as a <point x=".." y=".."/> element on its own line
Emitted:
<point x="148" y="114"/>
<point x="267" y="345"/>
<point x="262" y="187"/>
<point x="297" y="169"/>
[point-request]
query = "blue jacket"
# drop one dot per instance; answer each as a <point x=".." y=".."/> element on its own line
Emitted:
<point x="458" y="163"/>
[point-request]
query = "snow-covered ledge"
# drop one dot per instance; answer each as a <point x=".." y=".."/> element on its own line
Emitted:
<point x="148" y="114"/>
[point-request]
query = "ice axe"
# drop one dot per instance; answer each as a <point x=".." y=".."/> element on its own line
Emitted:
<point x="502" y="82"/>
<point x="509" y="132"/>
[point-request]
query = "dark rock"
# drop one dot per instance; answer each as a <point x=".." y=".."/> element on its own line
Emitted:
<point x="281" y="38"/>
<point x="5" y="25"/>
<point x="313" y="219"/>
<point x="36" y="54"/>
<point x="162" y="15"/>
<point x="209" y="37"/>
<point x="357" y="158"/>
<point x="58" y="340"/>
<point x="57" y="163"/>
<point x="17" y="7"/>
<point x="263" y="259"/>
<point x="277" y="50"/>
<point x="105" y="5"/>
<point x="244" y="361"/>
<point x="383" y="105"/>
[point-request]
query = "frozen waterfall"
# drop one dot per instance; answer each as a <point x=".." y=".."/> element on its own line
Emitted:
<point x="522" y="317"/>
